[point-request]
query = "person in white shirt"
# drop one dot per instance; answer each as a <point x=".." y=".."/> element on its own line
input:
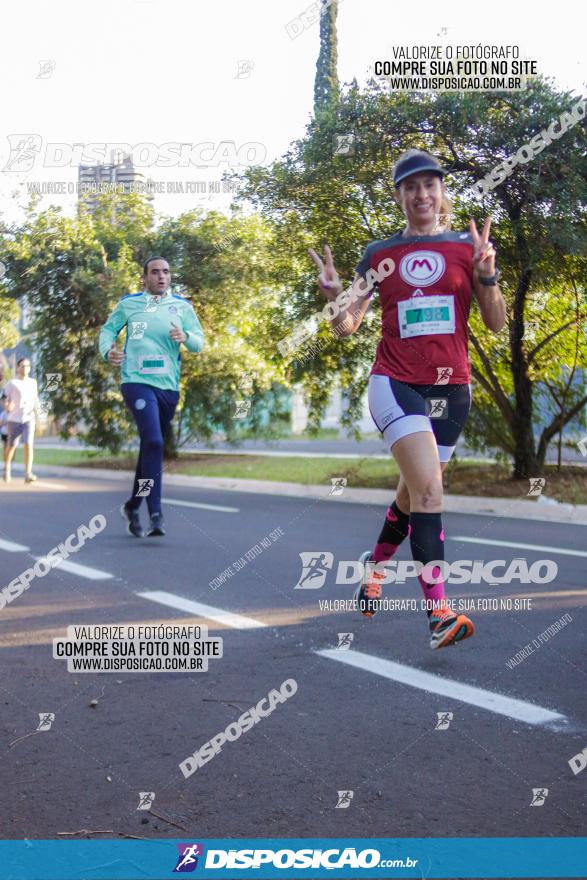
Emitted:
<point x="21" y="402"/>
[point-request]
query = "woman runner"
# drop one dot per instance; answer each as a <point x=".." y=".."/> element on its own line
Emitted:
<point x="157" y="322"/>
<point x="419" y="392"/>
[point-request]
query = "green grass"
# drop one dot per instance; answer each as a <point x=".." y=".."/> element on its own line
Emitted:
<point x="365" y="472"/>
<point x="63" y="457"/>
<point x="463" y="477"/>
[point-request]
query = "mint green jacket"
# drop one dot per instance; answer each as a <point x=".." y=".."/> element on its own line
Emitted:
<point x="152" y="357"/>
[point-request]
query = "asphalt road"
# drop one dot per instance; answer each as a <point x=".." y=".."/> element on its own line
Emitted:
<point x="370" y="728"/>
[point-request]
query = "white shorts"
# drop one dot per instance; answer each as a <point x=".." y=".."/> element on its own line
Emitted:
<point x="399" y="409"/>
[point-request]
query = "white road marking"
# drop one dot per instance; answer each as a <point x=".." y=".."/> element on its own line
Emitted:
<point x="217" y="507"/>
<point x="12" y="547"/>
<point x="228" y="618"/>
<point x="539" y="548"/>
<point x="555" y="594"/>
<point x="446" y="687"/>
<point x="92" y="574"/>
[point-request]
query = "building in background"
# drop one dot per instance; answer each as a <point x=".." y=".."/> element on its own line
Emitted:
<point x="119" y="173"/>
<point x="332" y="415"/>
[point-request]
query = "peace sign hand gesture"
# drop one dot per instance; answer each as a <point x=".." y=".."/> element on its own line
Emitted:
<point x="484" y="252"/>
<point x="328" y="281"/>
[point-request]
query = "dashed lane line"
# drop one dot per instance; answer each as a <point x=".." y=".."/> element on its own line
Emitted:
<point x="445" y="687"/>
<point x="539" y="548"/>
<point x="228" y="618"/>
<point x="218" y="507"/>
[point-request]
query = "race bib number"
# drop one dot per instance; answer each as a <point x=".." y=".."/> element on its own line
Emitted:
<point x="153" y="364"/>
<point x="426" y="315"/>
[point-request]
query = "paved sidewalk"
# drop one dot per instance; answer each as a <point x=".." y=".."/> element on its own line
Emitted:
<point x="504" y="507"/>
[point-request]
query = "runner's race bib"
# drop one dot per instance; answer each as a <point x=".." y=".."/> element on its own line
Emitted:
<point x="153" y="364"/>
<point x="426" y="315"/>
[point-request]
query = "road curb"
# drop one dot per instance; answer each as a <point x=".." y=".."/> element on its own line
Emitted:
<point x="575" y="514"/>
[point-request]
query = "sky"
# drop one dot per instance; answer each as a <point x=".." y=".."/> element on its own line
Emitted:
<point x="160" y="71"/>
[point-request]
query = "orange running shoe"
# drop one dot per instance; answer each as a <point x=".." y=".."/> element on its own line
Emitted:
<point x="448" y="628"/>
<point x="368" y="593"/>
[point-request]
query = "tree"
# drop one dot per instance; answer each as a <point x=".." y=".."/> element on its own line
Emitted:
<point x="9" y="310"/>
<point x="59" y="264"/>
<point x="224" y="265"/>
<point x="8" y="320"/>
<point x="312" y="196"/>
<point x="73" y="271"/>
<point x="326" y="79"/>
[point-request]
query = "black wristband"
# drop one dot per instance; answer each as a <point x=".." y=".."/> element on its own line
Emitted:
<point x="489" y="280"/>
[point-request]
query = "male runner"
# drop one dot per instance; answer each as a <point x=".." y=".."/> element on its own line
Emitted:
<point x="157" y="322"/>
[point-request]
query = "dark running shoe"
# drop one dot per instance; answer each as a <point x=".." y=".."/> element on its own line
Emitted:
<point x="134" y="526"/>
<point x="156" y="528"/>
<point x="368" y="593"/>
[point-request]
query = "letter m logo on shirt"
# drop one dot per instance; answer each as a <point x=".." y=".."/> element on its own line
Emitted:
<point x="422" y="268"/>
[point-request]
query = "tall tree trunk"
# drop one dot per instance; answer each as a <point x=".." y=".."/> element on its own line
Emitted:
<point x="526" y="463"/>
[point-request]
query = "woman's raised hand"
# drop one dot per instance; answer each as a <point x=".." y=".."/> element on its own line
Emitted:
<point x="484" y="252"/>
<point x="328" y="280"/>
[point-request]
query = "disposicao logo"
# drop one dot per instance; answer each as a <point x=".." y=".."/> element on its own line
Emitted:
<point x="188" y="857"/>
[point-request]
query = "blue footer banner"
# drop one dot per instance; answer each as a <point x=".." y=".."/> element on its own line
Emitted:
<point x="227" y="858"/>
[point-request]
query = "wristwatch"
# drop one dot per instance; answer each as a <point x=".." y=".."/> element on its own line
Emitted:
<point x="489" y="280"/>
